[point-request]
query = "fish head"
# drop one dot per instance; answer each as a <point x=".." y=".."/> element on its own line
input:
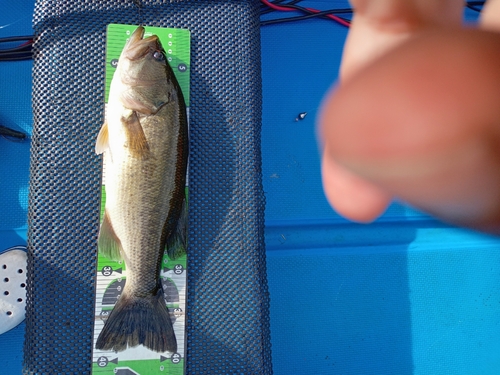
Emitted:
<point x="143" y="59"/>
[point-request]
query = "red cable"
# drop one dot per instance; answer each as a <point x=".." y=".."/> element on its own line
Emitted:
<point x="276" y="7"/>
<point x="26" y="43"/>
<point x="286" y="9"/>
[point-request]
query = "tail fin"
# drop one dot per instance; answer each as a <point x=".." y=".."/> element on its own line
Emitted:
<point x="138" y="320"/>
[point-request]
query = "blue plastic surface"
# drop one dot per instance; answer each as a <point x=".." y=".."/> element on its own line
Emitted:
<point x="405" y="295"/>
<point x="15" y="113"/>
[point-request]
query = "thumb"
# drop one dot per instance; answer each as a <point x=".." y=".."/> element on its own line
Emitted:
<point x="422" y="123"/>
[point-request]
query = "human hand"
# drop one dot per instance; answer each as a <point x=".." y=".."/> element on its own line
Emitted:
<point x="416" y="115"/>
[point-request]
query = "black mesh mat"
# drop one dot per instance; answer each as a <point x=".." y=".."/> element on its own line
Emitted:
<point x="227" y="317"/>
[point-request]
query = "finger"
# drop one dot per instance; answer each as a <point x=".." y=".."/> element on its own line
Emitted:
<point x="352" y="196"/>
<point x="490" y="15"/>
<point x="379" y="25"/>
<point x="423" y="122"/>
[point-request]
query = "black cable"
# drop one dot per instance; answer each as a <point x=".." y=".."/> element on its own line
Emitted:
<point x="472" y="7"/>
<point x="17" y="57"/>
<point x="16" y="38"/>
<point x="323" y="12"/>
<point x="475" y="5"/>
<point x="24" y="47"/>
<point x="310" y="15"/>
<point x="22" y="52"/>
<point x="9" y="133"/>
<point x="6" y="55"/>
<point x="266" y="9"/>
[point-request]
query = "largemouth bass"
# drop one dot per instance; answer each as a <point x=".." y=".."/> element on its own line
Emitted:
<point x="145" y="143"/>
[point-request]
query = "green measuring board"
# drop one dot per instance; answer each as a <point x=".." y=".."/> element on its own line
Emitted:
<point x="111" y="276"/>
<point x="175" y="42"/>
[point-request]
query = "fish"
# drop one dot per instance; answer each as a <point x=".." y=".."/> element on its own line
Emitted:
<point x="145" y="144"/>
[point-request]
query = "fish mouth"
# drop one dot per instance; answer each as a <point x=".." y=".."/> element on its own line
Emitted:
<point x="138" y="47"/>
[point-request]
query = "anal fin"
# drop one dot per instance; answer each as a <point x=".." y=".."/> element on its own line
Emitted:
<point x="177" y="243"/>
<point x="109" y="244"/>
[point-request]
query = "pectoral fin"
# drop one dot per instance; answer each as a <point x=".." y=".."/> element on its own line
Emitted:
<point x="102" y="140"/>
<point x="109" y="244"/>
<point x="136" y="139"/>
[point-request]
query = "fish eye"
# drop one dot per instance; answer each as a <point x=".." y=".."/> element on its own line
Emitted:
<point x="158" y="56"/>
